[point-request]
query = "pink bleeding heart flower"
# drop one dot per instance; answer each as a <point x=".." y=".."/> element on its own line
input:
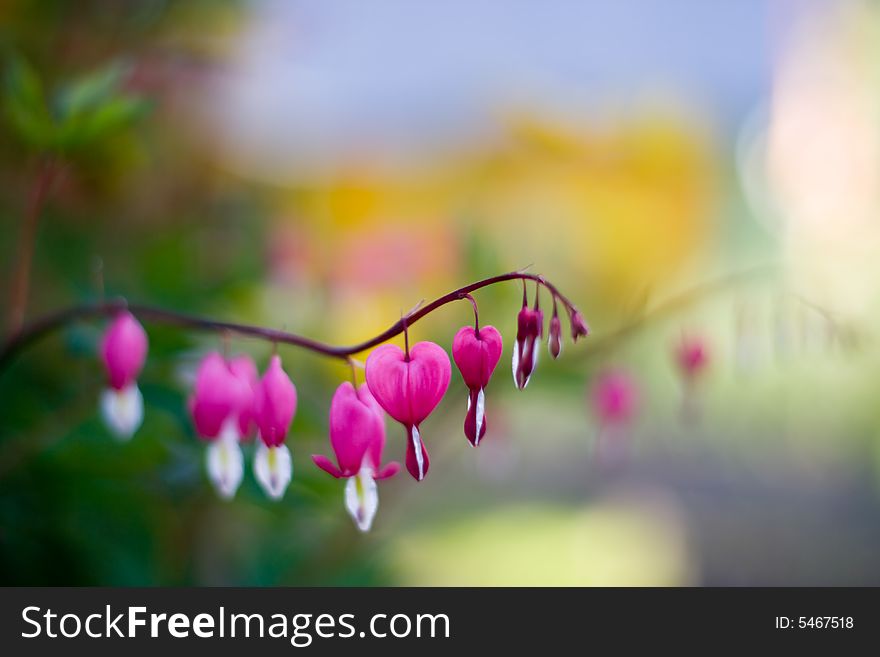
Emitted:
<point x="357" y="435"/>
<point x="529" y="329"/>
<point x="409" y="387"/>
<point x="274" y="408"/>
<point x="615" y="397"/>
<point x="219" y="397"/>
<point x="123" y="350"/>
<point x="476" y="353"/>
<point x="692" y="356"/>
<point x="223" y="395"/>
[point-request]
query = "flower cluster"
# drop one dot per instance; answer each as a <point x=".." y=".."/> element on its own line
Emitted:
<point x="231" y="403"/>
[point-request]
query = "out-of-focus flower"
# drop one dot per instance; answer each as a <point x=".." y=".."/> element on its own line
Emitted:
<point x="274" y="408"/>
<point x="615" y="397"/>
<point x="692" y="356"/>
<point x="222" y="398"/>
<point x="409" y="387"/>
<point x="357" y="435"/>
<point x="123" y="351"/>
<point x="476" y="353"/>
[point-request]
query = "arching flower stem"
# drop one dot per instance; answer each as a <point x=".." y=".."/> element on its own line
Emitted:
<point x="54" y="321"/>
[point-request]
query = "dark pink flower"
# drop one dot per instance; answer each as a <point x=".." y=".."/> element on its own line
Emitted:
<point x="223" y="395"/>
<point x="615" y="397"/>
<point x="219" y="396"/>
<point x="123" y="350"/>
<point x="476" y="353"/>
<point x="692" y="356"/>
<point x="274" y="408"/>
<point x="275" y="404"/>
<point x="357" y="435"/>
<point x="409" y="388"/>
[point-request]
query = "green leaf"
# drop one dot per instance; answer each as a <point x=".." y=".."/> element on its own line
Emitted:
<point x="25" y="103"/>
<point x="91" y="91"/>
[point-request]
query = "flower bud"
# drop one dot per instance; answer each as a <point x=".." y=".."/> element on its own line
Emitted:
<point x="554" y="341"/>
<point x="579" y="327"/>
<point x="123" y="350"/>
<point x="530" y="328"/>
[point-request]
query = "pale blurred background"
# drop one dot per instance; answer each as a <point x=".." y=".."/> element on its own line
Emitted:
<point x="678" y="169"/>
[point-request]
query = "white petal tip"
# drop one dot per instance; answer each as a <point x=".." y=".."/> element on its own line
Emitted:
<point x="362" y="499"/>
<point x="122" y="410"/>
<point x="273" y="468"/>
<point x="225" y="463"/>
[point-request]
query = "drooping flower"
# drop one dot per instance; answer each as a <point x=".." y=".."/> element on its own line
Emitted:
<point x="357" y="436"/>
<point x="579" y="327"/>
<point x="409" y="387"/>
<point x="476" y="353"/>
<point x="221" y="398"/>
<point x="529" y="329"/>
<point x="692" y="356"/>
<point x="123" y="350"/>
<point x="615" y="397"/>
<point x="274" y="408"/>
<point x="554" y="341"/>
<point x="615" y="404"/>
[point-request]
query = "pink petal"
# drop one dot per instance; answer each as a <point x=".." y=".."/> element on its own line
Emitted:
<point x="429" y="374"/>
<point x="386" y="373"/>
<point x="218" y="395"/>
<point x="124" y="350"/>
<point x="355" y="428"/>
<point x="275" y="404"/>
<point x="326" y="465"/>
<point x="475" y="357"/>
<point x="388" y="470"/>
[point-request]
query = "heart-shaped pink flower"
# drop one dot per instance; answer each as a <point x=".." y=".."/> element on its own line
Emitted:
<point x="476" y="353"/>
<point x="409" y="388"/>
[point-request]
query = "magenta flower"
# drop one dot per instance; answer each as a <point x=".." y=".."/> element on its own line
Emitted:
<point x="222" y="397"/>
<point x="123" y="350"/>
<point x="357" y="435"/>
<point x="476" y="353"/>
<point x="409" y="387"/>
<point x="219" y="398"/>
<point x="529" y="329"/>
<point x="692" y="356"/>
<point x="274" y="408"/>
<point x="615" y="397"/>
